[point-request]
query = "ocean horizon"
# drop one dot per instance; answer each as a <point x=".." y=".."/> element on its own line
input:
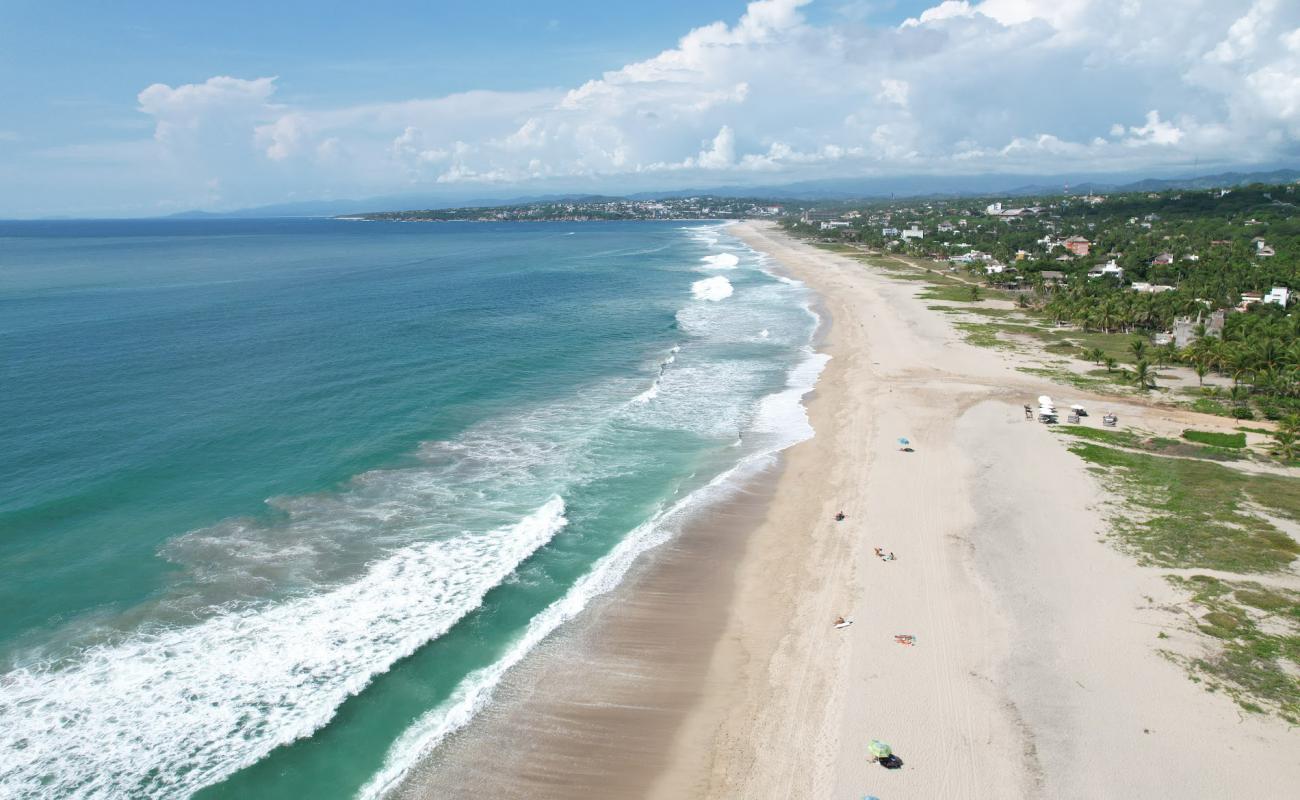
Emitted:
<point x="282" y="500"/>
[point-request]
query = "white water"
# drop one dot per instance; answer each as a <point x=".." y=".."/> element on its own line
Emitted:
<point x="715" y="289"/>
<point x="200" y="702"/>
<point x="783" y="416"/>
<point x="163" y="715"/>
<point x="722" y="261"/>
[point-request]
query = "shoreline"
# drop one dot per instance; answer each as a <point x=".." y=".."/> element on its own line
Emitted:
<point x="714" y="670"/>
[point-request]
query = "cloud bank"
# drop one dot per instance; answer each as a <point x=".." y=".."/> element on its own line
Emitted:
<point x="1039" y="86"/>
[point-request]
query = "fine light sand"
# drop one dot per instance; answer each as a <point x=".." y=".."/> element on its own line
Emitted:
<point x="715" y="671"/>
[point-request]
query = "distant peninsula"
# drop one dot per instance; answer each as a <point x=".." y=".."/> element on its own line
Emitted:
<point x="590" y="209"/>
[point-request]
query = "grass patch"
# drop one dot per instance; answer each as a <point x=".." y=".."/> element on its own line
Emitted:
<point x="1209" y="405"/>
<point x="984" y="334"/>
<point x="1115" y="438"/>
<point x="1189" y="513"/>
<point x="950" y="293"/>
<point x="1159" y="445"/>
<point x="1264" y="431"/>
<point x="1233" y="440"/>
<point x="973" y="310"/>
<point x="1258" y="654"/>
<point x="1094" y="381"/>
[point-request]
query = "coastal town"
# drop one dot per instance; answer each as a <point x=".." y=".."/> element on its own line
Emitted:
<point x="1205" y="277"/>
<point x="589" y="209"/>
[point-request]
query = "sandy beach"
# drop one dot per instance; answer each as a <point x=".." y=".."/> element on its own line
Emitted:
<point x="715" y="671"/>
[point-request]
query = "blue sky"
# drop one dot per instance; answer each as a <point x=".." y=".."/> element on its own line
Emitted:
<point x="151" y="107"/>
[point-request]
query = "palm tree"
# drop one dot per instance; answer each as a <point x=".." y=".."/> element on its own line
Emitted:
<point x="1106" y="315"/>
<point x="1111" y="363"/>
<point x="1096" y="355"/>
<point x="1143" y="376"/>
<point x="1200" y="367"/>
<point x="975" y="294"/>
<point x="1166" y="354"/>
<point x="1285" y="445"/>
<point x="1139" y="349"/>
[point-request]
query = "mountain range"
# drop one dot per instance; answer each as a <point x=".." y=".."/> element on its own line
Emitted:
<point x="806" y="191"/>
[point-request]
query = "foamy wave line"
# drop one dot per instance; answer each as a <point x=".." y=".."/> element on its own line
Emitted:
<point x="722" y="261"/>
<point x="475" y="691"/>
<point x="653" y="391"/>
<point x="714" y="289"/>
<point x="163" y="715"/>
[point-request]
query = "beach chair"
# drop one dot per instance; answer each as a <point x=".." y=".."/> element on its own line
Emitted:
<point x="1110" y="420"/>
<point x="1073" y="418"/>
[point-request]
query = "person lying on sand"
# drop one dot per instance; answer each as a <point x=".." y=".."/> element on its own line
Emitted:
<point x="905" y="638"/>
<point x="839" y="517"/>
<point x="880" y="553"/>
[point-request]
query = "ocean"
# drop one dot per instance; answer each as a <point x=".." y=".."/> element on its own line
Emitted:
<point x="282" y="500"/>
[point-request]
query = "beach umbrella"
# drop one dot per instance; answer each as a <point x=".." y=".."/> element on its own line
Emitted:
<point x="879" y="749"/>
<point x="903" y="440"/>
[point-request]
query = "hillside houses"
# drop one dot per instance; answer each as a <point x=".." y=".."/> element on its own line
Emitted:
<point x="1077" y="245"/>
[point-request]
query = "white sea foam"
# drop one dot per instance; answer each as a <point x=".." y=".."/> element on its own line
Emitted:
<point x="653" y="391"/>
<point x="648" y="394"/>
<point x="165" y="713"/>
<point x="783" y="413"/>
<point x="247" y="698"/>
<point x="475" y="691"/>
<point x="722" y="260"/>
<point x="715" y="289"/>
<point x="780" y="420"/>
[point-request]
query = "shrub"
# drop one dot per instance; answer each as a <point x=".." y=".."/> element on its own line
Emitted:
<point x="1216" y="439"/>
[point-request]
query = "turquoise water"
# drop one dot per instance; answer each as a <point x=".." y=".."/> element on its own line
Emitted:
<point x="281" y="500"/>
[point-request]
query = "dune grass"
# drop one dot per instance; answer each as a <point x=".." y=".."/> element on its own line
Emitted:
<point x="1236" y="440"/>
<point x="1188" y="513"/>
<point x="1258" y="628"/>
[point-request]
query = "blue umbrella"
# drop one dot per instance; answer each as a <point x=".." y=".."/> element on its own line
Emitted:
<point x="903" y="440"/>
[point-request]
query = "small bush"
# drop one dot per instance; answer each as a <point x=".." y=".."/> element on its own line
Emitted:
<point x="1237" y="440"/>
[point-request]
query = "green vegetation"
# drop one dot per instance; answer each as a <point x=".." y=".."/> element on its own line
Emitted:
<point x="1237" y="440"/>
<point x="1258" y="629"/>
<point x="1197" y="252"/>
<point x="1151" y="444"/>
<point x="984" y="334"/>
<point x="1182" y="512"/>
<point x="1095" y="380"/>
<point x="954" y="293"/>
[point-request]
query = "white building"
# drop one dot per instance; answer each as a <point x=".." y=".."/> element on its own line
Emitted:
<point x="1110" y="269"/>
<point x="913" y="233"/>
<point x="1279" y="295"/>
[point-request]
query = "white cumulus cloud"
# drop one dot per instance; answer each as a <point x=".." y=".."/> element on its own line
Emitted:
<point x="998" y="85"/>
